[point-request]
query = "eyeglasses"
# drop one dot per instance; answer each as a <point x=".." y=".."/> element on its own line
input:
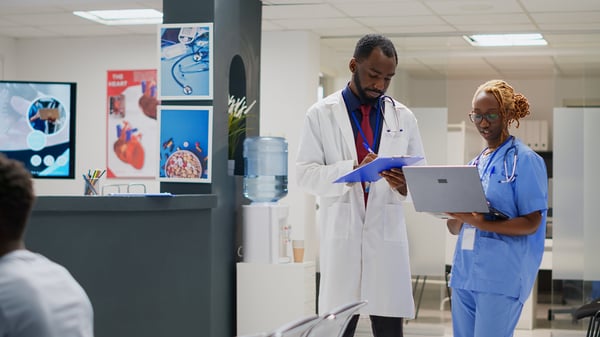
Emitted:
<point x="477" y="118"/>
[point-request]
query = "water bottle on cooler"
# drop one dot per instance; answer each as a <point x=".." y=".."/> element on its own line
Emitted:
<point x="265" y="169"/>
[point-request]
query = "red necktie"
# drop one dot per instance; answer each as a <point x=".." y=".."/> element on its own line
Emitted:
<point x="365" y="125"/>
<point x="361" y="150"/>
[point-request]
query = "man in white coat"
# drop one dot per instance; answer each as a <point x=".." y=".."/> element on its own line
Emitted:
<point x="363" y="239"/>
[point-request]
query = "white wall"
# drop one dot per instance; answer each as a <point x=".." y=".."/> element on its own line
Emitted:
<point x="457" y="96"/>
<point x="86" y="62"/>
<point x="8" y="54"/>
<point x="426" y="233"/>
<point x="576" y="183"/>
<point x="289" y="80"/>
<point x="289" y="83"/>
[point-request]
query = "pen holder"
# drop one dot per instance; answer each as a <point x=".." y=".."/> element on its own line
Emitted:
<point x="91" y="186"/>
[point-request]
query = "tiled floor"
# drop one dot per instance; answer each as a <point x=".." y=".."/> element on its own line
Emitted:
<point x="415" y="329"/>
<point x="434" y="319"/>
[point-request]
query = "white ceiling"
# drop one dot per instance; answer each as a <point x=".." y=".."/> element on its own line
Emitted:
<point x="427" y="33"/>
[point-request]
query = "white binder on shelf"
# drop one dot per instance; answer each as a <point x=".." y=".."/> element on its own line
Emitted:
<point x="544" y="139"/>
<point x="533" y="134"/>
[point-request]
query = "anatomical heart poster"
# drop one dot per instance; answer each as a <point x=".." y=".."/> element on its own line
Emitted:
<point x="132" y="127"/>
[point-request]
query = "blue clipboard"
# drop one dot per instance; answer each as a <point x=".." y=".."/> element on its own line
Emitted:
<point x="370" y="172"/>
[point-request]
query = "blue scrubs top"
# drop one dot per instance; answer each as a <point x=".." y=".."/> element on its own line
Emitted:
<point x="505" y="264"/>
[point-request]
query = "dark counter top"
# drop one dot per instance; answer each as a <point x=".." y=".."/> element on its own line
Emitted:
<point x="124" y="203"/>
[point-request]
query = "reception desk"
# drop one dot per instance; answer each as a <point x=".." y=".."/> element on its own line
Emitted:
<point x="147" y="263"/>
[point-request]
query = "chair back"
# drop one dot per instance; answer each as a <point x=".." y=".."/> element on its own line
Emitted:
<point x="297" y="328"/>
<point x="334" y="322"/>
<point x="594" y="325"/>
<point x="591" y="310"/>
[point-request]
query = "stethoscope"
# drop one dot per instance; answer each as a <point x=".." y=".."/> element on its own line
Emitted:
<point x="381" y="107"/>
<point x="380" y="115"/>
<point x="513" y="147"/>
<point x="199" y="63"/>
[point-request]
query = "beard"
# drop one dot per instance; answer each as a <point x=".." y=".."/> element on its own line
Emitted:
<point x="362" y="93"/>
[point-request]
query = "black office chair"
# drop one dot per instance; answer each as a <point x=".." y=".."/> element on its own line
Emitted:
<point x="591" y="310"/>
<point x="334" y="323"/>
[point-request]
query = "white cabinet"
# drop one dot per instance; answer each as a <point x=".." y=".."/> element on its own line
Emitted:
<point x="534" y="133"/>
<point x="270" y="295"/>
<point x="464" y="143"/>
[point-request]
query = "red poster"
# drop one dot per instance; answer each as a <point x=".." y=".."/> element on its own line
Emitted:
<point x="132" y="129"/>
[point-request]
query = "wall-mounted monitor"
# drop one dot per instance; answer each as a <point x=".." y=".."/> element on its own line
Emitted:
<point x="37" y="126"/>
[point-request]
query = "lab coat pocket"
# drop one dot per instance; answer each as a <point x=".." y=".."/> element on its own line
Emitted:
<point x="394" y="228"/>
<point x="338" y="221"/>
<point x="393" y="143"/>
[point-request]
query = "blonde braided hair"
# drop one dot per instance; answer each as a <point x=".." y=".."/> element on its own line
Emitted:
<point x="513" y="106"/>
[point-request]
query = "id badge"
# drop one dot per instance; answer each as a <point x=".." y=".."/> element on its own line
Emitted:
<point x="468" y="238"/>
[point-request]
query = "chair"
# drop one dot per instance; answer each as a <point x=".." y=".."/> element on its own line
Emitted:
<point x="297" y="328"/>
<point x="415" y="287"/>
<point x="448" y="298"/>
<point x="591" y="310"/>
<point x="333" y="323"/>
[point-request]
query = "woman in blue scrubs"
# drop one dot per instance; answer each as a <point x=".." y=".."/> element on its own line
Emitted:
<point x="496" y="260"/>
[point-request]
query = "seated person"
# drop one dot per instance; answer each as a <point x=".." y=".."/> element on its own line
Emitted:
<point x="38" y="298"/>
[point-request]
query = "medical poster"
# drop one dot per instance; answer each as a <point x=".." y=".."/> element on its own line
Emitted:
<point x="185" y="143"/>
<point x="131" y="123"/>
<point x="186" y="61"/>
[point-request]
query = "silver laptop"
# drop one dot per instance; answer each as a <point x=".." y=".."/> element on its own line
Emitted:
<point x="448" y="189"/>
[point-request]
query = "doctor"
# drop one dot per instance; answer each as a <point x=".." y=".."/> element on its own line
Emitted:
<point x="363" y="240"/>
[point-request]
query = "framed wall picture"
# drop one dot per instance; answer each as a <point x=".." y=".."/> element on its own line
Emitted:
<point x="185" y="143"/>
<point x="186" y="61"/>
<point x="131" y="123"/>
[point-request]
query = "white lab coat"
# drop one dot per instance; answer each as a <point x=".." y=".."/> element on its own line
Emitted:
<point x="362" y="256"/>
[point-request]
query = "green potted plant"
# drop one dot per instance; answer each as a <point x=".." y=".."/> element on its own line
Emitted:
<point x="238" y="112"/>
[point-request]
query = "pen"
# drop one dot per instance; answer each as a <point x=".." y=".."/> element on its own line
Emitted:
<point x="90" y="185"/>
<point x="367" y="147"/>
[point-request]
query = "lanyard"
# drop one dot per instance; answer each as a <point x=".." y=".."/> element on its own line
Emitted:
<point x="476" y="162"/>
<point x="362" y="134"/>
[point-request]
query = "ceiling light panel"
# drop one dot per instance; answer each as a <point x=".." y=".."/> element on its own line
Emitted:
<point x="503" y="40"/>
<point x="123" y="16"/>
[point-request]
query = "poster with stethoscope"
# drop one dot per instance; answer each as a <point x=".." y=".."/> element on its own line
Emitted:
<point x="185" y="143"/>
<point x="186" y="61"/>
<point x="131" y="123"/>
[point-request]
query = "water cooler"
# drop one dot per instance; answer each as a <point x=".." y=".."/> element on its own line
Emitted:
<point x="266" y="233"/>
<point x="287" y="290"/>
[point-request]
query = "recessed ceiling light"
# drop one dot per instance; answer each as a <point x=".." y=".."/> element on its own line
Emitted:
<point x="123" y="16"/>
<point x="497" y="40"/>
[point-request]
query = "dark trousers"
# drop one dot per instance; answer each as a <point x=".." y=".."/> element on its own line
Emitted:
<point x="381" y="326"/>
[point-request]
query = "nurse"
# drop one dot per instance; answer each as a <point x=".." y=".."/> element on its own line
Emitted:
<point x="363" y="239"/>
<point x="496" y="261"/>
